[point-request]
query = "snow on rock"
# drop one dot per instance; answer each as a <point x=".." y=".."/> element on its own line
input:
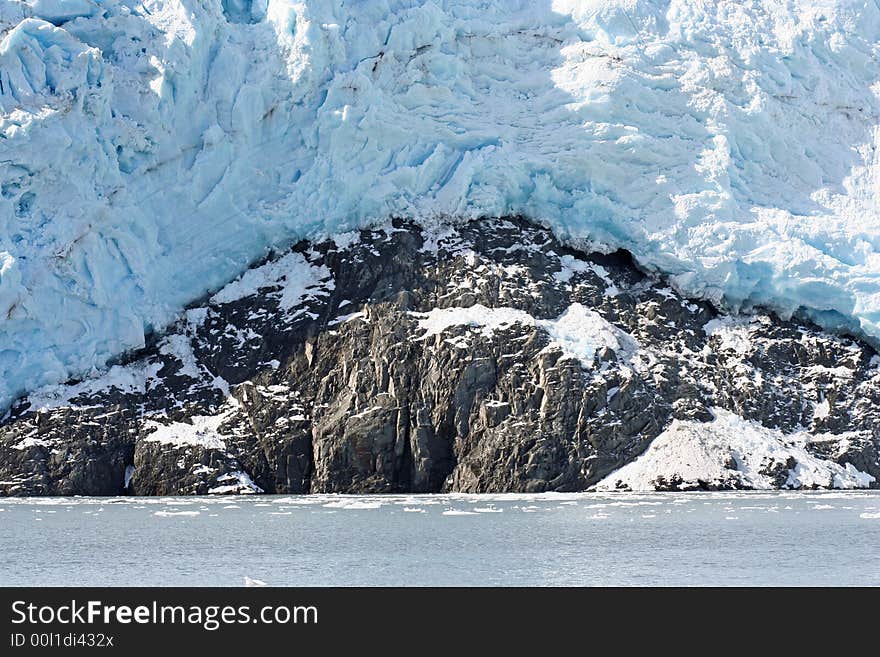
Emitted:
<point x="733" y="333"/>
<point x="127" y="379"/>
<point x="570" y="266"/>
<point x="202" y="431"/>
<point x="579" y="332"/>
<point x="488" y="320"/>
<point x="293" y="282"/>
<point x="731" y="452"/>
<point x="298" y="279"/>
<point x="31" y="441"/>
<point x="150" y="151"/>
<point x="179" y="346"/>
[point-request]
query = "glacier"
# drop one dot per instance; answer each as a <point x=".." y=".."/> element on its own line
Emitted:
<point x="151" y="150"/>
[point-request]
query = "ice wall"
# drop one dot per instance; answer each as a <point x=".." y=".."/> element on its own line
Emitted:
<point x="150" y="150"/>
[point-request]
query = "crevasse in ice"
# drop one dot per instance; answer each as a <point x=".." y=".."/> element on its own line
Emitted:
<point x="150" y="150"/>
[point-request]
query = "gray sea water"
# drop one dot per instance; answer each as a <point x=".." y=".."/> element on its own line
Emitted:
<point x="552" y="539"/>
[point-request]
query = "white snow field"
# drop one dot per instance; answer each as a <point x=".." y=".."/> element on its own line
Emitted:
<point x="733" y="452"/>
<point x="151" y="149"/>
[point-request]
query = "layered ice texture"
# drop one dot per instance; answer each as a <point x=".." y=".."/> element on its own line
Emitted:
<point x="151" y="150"/>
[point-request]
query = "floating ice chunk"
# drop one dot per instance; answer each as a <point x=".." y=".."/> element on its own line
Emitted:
<point x="353" y="504"/>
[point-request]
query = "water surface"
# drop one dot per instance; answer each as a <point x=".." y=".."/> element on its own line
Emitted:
<point x="549" y="539"/>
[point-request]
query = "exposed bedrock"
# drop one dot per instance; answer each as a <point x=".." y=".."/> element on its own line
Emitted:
<point x="482" y="358"/>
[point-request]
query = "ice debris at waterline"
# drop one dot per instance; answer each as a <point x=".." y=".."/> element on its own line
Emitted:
<point x="151" y="150"/>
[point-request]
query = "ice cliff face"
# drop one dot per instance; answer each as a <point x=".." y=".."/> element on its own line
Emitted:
<point x="149" y="151"/>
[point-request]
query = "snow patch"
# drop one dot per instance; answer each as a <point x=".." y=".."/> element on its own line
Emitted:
<point x="569" y="266"/>
<point x="582" y="332"/>
<point x="202" y="432"/>
<point x="821" y="410"/>
<point x="732" y="332"/>
<point x="731" y="450"/>
<point x="297" y="277"/>
<point x="179" y="346"/>
<point x="129" y="379"/>
<point x="32" y="441"/>
<point x="579" y="331"/>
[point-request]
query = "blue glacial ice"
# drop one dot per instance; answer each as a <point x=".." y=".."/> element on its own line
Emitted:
<point x="151" y="149"/>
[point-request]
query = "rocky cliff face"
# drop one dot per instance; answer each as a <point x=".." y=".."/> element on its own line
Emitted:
<point x="486" y="357"/>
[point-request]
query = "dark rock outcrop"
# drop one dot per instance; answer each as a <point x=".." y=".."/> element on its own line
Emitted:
<point x="484" y="358"/>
